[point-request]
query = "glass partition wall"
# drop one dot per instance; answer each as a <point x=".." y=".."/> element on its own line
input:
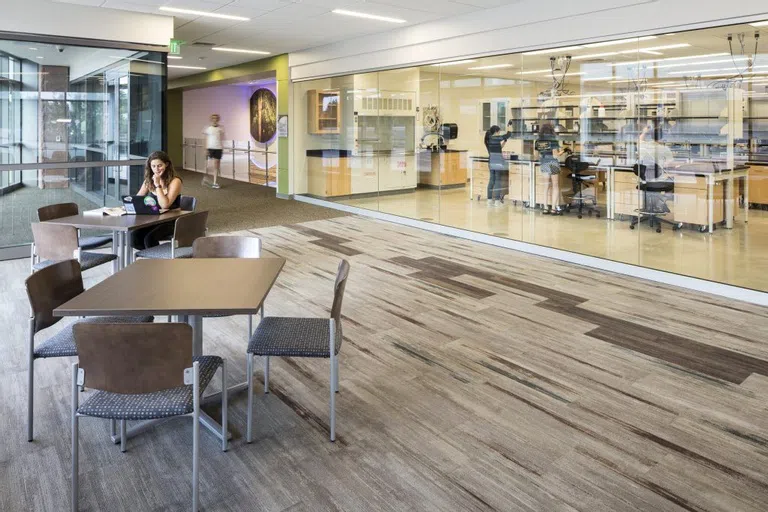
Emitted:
<point x="651" y="151"/>
<point x="76" y="124"/>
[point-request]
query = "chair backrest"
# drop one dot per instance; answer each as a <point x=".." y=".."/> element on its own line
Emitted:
<point x="188" y="203"/>
<point x="227" y="247"/>
<point x="57" y="211"/>
<point x="54" y="241"/>
<point x="647" y="173"/>
<point x="338" y="289"/>
<point x="189" y="228"/>
<point x="51" y="287"/>
<point x="152" y="357"/>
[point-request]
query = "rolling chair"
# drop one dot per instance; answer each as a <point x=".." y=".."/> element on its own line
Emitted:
<point x="654" y="205"/>
<point x="581" y="186"/>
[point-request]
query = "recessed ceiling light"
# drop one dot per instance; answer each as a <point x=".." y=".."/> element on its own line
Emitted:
<point x="205" y="13"/>
<point x="620" y="41"/>
<point x="454" y="62"/>
<point x="172" y="57"/>
<point x="33" y="49"/>
<point x="368" y="16"/>
<point x="494" y="66"/>
<point x="554" y="50"/>
<point x="760" y="24"/>
<point x="39" y="57"/>
<point x="186" y="67"/>
<point x="238" y="50"/>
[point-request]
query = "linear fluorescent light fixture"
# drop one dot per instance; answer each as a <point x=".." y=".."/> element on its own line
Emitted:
<point x="535" y="71"/>
<point x="174" y="57"/>
<point x="664" y="47"/>
<point x="554" y="50"/>
<point x="206" y="14"/>
<point x="186" y="67"/>
<point x="649" y="61"/>
<point x="239" y="50"/>
<point x="594" y="56"/>
<point x="760" y="24"/>
<point x="367" y="16"/>
<point x="63" y="120"/>
<point x="494" y="66"/>
<point x="620" y="41"/>
<point x="454" y="62"/>
<point x="730" y="70"/>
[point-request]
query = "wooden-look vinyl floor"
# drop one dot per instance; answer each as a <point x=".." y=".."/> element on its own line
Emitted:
<point x="472" y="378"/>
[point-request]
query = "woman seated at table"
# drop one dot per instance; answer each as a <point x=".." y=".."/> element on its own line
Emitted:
<point x="162" y="184"/>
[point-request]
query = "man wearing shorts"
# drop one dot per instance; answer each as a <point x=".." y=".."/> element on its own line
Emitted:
<point x="214" y="136"/>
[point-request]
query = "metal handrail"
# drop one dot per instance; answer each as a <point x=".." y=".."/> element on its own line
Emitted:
<point x="234" y="149"/>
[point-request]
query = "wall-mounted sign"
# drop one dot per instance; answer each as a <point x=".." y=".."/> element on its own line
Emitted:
<point x="263" y="115"/>
<point x="282" y="125"/>
<point x="175" y="46"/>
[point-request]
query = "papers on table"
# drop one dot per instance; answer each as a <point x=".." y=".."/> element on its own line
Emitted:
<point x="114" y="212"/>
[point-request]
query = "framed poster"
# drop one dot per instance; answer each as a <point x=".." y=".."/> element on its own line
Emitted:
<point x="282" y="125"/>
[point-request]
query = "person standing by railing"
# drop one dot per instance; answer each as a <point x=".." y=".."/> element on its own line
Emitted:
<point x="214" y="137"/>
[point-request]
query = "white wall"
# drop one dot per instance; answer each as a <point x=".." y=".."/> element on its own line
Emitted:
<point x="70" y="20"/>
<point x="519" y="26"/>
<point x="231" y="102"/>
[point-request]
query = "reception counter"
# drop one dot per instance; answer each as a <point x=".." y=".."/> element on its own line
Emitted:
<point x="342" y="172"/>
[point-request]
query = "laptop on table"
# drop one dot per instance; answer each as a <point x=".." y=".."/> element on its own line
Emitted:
<point x="142" y="205"/>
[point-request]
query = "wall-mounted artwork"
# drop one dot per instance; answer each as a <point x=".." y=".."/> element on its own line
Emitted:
<point x="263" y="115"/>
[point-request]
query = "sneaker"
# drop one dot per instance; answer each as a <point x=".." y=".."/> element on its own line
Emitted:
<point x="498" y="203"/>
<point x="557" y="211"/>
<point x="215" y="185"/>
<point x="546" y="211"/>
<point x="489" y="202"/>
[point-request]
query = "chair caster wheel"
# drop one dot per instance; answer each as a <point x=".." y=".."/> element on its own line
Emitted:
<point x="579" y="216"/>
<point x="658" y="230"/>
<point x="597" y="215"/>
<point x="631" y="227"/>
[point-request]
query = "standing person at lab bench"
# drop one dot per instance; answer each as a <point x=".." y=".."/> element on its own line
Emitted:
<point x="494" y="142"/>
<point x="548" y="149"/>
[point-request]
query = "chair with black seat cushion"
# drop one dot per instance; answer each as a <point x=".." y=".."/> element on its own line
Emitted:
<point x="57" y="211"/>
<point x="582" y="184"/>
<point x="157" y="378"/>
<point x="187" y="229"/>
<point x="48" y="289"/>
<point x="656" y="192"/>
<point x="300" y="337"/>
<point x="57" y="242"/>
<point x="187" y="203"/>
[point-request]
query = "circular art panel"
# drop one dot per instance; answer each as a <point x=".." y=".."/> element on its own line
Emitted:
<point x="263" y="115"/>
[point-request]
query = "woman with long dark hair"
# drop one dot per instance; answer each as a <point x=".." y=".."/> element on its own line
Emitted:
<point x="162" y="184"/>
<point x="496" y="163"/>
<point x="549" y="150"/>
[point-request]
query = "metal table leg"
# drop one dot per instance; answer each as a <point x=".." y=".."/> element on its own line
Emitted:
<point x="711" y="203"/>
<point x="746" y="197"/>
<point x="116" y="251"/>
<point x="728" y="192"/>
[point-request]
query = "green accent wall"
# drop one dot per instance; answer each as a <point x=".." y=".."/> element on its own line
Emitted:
<point x="175" y="107"/>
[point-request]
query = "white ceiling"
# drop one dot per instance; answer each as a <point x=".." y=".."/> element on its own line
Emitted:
<point x="281" y="26"/>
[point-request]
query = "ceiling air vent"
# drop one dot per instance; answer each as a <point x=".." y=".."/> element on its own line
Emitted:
<point x="203" y="44"/>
